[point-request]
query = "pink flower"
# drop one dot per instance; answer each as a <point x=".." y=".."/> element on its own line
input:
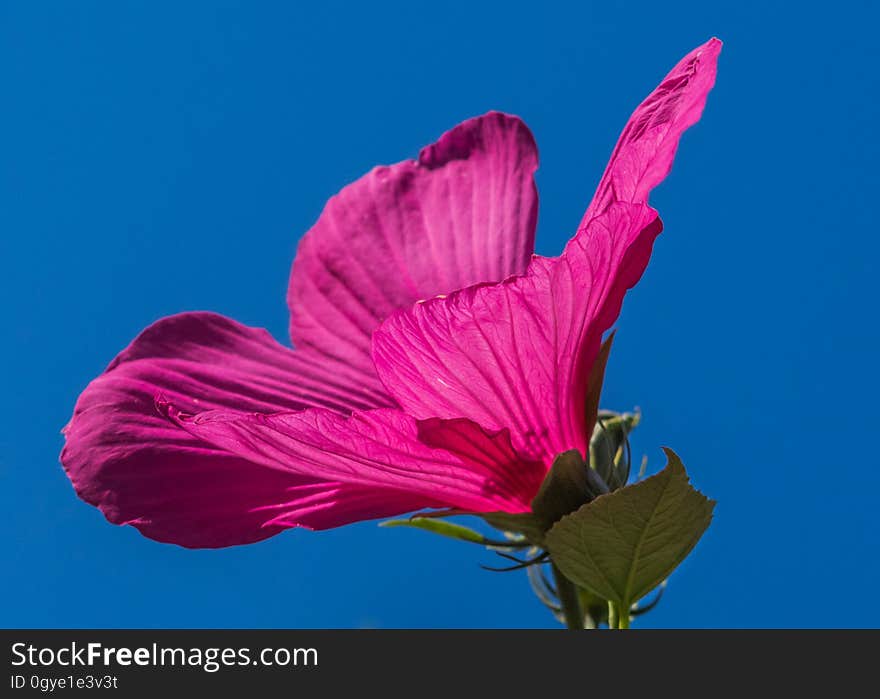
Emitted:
<point x="207" y="433"/>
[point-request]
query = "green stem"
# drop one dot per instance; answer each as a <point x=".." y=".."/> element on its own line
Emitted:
<point x="623" y="617"/>
<point x="568" y="598"/>
<point x="618" y="616"/>
<point x="612" y="615"/>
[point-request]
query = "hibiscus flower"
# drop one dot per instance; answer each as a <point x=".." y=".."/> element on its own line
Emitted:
<point x="439" y="363"/>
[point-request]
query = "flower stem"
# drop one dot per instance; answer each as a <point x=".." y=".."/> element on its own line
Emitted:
<point x="612" y="615"/>
<point x="568" y="598"/>
<point x="618" y="616"/>
<point x="623" y="618"/>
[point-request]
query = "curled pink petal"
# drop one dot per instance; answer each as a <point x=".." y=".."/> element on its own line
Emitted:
<point x="463" y="213"/>
<point x="126" y="458"/>
<point x="517" y="355"/>
<point x="211" y="361"/>
<point x="379" y="448"/>
<point x="644" y="153"/>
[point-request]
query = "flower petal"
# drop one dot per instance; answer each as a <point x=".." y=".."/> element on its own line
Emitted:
<point x="518" y="354"/>
<point x="126" y="458"/>
<point x="463" y="213"/>
<point x="379" y="448"/>
<point x="211" y="361"/>
<point x="644" y="153"/>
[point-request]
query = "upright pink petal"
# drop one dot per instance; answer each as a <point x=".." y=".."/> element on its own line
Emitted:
<point x="517" y="355"/>
<point x="139" y="468"/>
<point x="644" y="153"/>
<point x="382" y="449"/>
<point x="463" y="213"/>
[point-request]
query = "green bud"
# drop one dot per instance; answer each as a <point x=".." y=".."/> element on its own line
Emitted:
<point x="610" y="454"/>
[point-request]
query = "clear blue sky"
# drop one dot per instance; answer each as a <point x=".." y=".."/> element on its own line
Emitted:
<point x="160" y="157"/>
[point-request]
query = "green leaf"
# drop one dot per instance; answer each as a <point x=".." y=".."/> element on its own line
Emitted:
<point x="447" y="529"/>
<point x="564" y="489"/>
<point x="568" y="484"/>
<point x="623" y="544"/>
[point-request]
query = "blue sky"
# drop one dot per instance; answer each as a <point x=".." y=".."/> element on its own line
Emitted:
<point x="160" y="157"/>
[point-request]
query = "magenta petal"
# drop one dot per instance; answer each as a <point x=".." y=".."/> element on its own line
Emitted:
<point x="644" y="153"/>
<point x="381" y="449"/>
<point x="517" y="355"/>
<point x="126" y="458"/>
<point x="463" y="213"/>
<point x="209" y="361"/>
